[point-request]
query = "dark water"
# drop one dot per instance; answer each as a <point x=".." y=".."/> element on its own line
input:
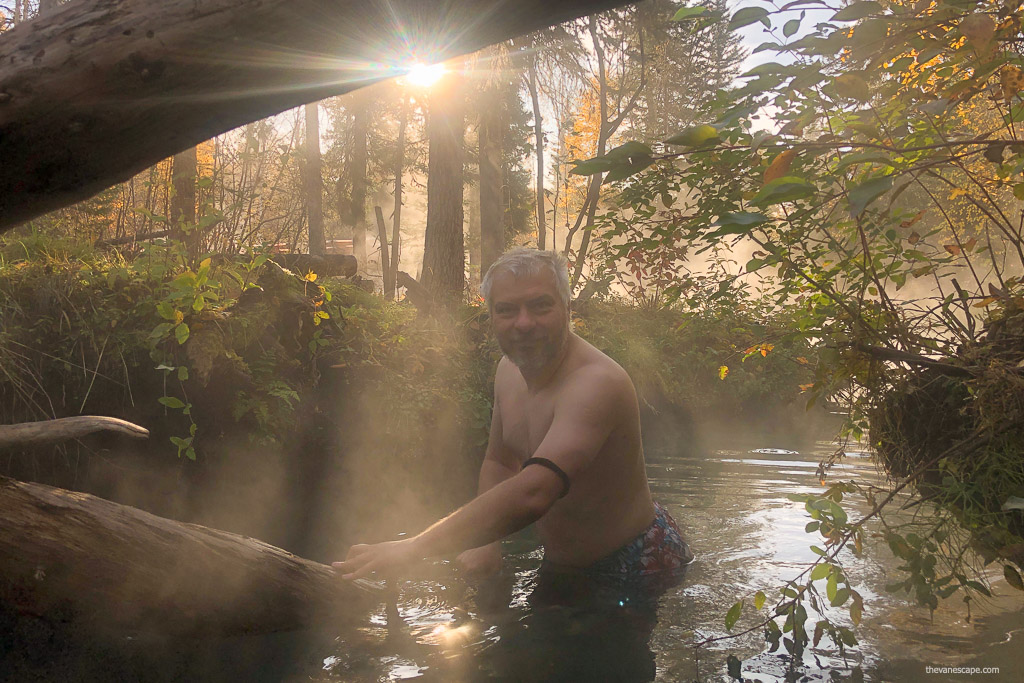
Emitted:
<point x="732" y="504"/>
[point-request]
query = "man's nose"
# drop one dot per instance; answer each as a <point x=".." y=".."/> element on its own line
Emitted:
<point x="524" y="321"/>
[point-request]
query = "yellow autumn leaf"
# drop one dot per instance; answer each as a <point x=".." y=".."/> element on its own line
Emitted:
<point x="723" y="371"/>
<point x="178" y="317"/>
<point x="806" y="387"/>
<point x="985" y="302"/>
<point x="310" y="276"/>
<point x="1009" y="23"/>
<point x="765" y="348"/>
<point x="694" y="136"/>
<point x="801" y="360"/>
<point x="779" y="165"/>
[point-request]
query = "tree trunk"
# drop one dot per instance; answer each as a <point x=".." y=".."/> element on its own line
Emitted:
<point x="594" y="189"/>
<point x="314" y="181"/>
<point x="444" y="258"/>
<point x="47" y="7"/>
<point x="538" y="136"/>
<point x="492" y="220"/>
<point x="385" y="261"/>
<point x="184" y="168"/>
<point x="398" y="171"/>
<point x="71" y="555"/>
<point x="357" y="173"/>
<point x="473" y="226"/>
<point x="82" y="92"/>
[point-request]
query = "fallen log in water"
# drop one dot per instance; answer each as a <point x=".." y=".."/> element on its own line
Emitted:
<point x="72" y="556"/>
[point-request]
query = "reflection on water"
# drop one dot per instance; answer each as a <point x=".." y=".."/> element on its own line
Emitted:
<point x="732" y="505"/>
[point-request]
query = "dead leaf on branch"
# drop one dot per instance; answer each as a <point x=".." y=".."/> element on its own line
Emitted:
<point x="910" y="221"/>
<point x="779" y="166"/>
<point x="978" y="29"/>
<point x="1011" y="80"/>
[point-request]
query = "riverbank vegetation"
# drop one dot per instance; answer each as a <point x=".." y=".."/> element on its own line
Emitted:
<point x="239" y="348"/>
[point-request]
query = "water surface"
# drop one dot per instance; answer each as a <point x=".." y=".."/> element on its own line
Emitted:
<point x="732" y="504"/>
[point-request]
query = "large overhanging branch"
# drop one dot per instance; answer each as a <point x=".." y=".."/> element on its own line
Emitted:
<point x="104" y="88"/>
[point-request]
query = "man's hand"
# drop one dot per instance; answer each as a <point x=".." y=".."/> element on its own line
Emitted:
<point x="482" y="561"/>
<point x="384" y="558"/>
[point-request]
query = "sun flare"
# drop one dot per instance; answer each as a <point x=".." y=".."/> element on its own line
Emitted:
<point x="425" y="75"/>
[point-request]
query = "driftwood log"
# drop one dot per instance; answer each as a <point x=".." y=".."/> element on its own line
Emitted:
<point x="69" y="556"/>
<point x="61" y="429"/>
<point x="101" y="89"/>
<point x="131" y="239"/>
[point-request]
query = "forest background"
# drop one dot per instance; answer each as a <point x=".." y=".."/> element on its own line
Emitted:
<point x="842" y="224"/>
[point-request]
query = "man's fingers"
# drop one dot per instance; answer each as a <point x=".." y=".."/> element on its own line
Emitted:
<point x="355" y="559"/>
<point x="356" y="550"/>
<point x="364" y="559"/>
<point x="358" y="564"/>
<point x="352" y="562"/>
<point x="354" y="569"/>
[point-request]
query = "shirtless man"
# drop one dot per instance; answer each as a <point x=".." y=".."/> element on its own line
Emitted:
<point x="564" y="450"/>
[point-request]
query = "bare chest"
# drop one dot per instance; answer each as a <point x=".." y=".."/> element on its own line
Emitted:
<point x="525" y="422"/>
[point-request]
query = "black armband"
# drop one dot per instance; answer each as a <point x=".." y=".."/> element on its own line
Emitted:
<point x="544" y="462"/>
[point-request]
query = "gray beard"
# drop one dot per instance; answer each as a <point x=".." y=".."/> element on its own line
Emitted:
<point x="540" y="358"/>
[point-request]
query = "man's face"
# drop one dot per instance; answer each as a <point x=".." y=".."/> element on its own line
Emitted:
<point x="530" y="321"/>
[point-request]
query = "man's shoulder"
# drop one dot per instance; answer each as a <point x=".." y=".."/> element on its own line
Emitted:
<point x="597" y="366"/>
<point x="505" y="370"/>
<point x="507" y="377"/>
<point x="597" y="377"/>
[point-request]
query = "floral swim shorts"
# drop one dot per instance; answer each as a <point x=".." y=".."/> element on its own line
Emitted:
<point x="644" y="568"/>
<point x="659" y="552"/>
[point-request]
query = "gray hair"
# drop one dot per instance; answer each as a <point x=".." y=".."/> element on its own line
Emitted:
<point x="525" y="262"/>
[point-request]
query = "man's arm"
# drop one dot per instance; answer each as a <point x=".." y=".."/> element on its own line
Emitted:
<point x="506" y="508"/>
<point x="499" y="464"/>
<point x="584" y="417"/>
